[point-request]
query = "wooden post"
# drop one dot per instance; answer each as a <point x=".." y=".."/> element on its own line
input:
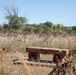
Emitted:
<point x="58" y="58"/>
<point x="33" y="56"/>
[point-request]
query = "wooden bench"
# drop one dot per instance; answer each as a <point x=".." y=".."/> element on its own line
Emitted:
<point x="34" y="53"/>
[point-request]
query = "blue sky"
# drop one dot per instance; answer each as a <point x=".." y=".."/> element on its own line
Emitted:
<point x="38" y="11"/>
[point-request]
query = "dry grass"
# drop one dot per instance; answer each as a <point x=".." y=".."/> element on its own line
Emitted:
<point x="13" y="44"/>
<point x="22" y="60"/>
<point x="8" y="66"/>
<point x="21" y="41"/>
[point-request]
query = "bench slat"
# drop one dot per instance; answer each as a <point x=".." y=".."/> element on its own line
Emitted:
<point x="48" y="50"/>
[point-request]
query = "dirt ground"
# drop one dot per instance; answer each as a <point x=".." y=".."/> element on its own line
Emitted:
<point x="8" y="66"/>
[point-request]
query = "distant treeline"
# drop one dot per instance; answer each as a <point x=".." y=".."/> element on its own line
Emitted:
<point x="18" y="23"/>
<point x="37" y="28"/>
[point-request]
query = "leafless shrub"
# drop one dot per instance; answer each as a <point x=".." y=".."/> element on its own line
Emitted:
<point x="67" y="68"/>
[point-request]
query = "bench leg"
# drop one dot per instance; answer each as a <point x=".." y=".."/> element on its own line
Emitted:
<point x="33" y="56"/>
<point x="58" y="58"/>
